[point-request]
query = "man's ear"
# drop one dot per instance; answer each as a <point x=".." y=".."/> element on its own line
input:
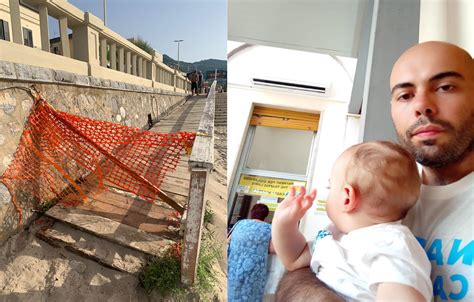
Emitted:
<point x="351" y="198"/>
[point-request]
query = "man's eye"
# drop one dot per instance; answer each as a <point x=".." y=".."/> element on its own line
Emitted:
<point x="445" y="88"/>
<point x="405" y="97"/>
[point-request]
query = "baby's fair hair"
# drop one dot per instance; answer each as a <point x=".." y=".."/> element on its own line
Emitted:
<point x="386" y="178"/>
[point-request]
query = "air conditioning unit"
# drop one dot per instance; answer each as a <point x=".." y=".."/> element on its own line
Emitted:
<point x="318" y="88"/>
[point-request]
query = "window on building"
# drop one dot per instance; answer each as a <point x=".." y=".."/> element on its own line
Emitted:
<point x="4" y="32"/>
<point x="271" y="146"/>
<point x="27" y="37"/>
<point x="278" y="151"/>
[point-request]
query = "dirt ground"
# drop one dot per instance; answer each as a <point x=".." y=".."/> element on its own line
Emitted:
<point x="217" y="202"/>
<point x="32" y="270"/>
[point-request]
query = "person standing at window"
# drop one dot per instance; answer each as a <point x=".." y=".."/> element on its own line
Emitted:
<point x="250" y="243"/>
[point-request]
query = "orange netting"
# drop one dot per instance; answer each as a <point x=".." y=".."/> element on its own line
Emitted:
<point x="59" y="153"/>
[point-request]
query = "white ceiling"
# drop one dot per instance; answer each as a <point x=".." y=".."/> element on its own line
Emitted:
<point x="322" y="26"/>
<point x="293" y="66"/>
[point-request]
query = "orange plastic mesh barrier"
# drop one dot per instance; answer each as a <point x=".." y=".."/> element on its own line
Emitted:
<point x="61" y="155"/>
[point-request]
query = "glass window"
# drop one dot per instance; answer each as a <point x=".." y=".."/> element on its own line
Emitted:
<point x="4" y="32"/>
<point x="27" y="37"/>
<point x="280" y="150"/>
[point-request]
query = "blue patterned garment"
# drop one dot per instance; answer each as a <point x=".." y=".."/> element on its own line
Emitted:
<point x="247" y="262"/>
<point x="321" y="234"/>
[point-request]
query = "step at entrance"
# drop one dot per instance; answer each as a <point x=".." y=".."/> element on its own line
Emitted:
<point x="111" y="230"/>
<point x="94" y="248"/>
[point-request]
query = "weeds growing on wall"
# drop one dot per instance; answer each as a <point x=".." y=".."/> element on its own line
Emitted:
<point x="208" y="215"/>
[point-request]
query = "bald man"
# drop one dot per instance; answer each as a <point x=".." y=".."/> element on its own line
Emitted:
<point x="432" y="105"/>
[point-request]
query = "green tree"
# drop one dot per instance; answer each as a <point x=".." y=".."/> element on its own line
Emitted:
<point x="141" y="43"/>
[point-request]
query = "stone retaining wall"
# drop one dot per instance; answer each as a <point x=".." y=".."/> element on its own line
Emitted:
<point x="86" y="96"/>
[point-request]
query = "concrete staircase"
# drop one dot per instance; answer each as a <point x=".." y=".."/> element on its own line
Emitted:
<point x="108" y="242"/>
<point x="119" y="231"/>
<point x="221" y="110"/>
<point x="107" y="253"/>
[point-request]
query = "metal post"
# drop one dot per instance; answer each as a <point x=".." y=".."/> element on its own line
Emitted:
<point x="105" y="12"/>
<point x="178" y="41"/>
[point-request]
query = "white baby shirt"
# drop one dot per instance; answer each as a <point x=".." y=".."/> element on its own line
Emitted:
<point x="354" y="264"/>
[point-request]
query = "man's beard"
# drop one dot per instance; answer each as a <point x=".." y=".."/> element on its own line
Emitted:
<point x="437" y="156"/>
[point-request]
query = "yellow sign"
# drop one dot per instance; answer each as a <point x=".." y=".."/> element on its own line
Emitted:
<point x="266" y="186"/>
<point x="270" y="202"/>
<point x="320" y="206"/>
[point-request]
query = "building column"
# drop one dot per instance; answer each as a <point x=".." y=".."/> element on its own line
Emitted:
<point x="121" y="60"/>
<point x="64" y="37"/>
<point x="128" y="65"/>
<point x="17" y="36"/>
<point x="43" y="15"/>
<point x="144" y="73"/>
<point x="175" y="78"/>
<point x="151" y="71"/>
<point x="134" y="64"/>
<point x="103" y="52"/>
<point x="158" y="76"/>
<point x="389" y="36"/>
<point x="140" y="66"/>
<point x="86" y="44"/>
<point x="434" y="23"/>
<point x="113" y="56"/>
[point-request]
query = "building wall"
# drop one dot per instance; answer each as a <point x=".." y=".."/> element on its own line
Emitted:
<point x="281" y="63"/>
<point x="80" y="95"/>
<point x="90" y="38"/>
<point x="58" y="45"/>
<point x="29" y="19"/>
<point x="337" y="130"/>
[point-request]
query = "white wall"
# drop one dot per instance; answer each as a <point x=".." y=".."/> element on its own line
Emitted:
<point x="336" y="129"/>
<point x="448" y="20"/>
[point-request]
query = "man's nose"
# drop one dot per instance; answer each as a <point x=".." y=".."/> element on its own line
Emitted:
<point x="425" y="104"/>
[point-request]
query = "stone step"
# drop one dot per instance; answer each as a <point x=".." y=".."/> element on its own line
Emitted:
<point x="110" y="230"/>
<point x="104" y="252"/>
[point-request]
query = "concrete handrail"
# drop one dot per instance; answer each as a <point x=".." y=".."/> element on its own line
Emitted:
<point x="202" y="155"/>
<point x="200" y="164"/>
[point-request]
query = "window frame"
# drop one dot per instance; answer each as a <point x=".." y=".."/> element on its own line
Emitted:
<point x="27" y="37"/>
<point x="5" y="34"/>
<point x="242" y="162"/>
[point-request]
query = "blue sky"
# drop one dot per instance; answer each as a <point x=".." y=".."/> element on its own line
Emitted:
<point x="202" y="24"/>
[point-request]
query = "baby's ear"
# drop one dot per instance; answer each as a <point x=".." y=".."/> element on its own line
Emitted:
<point x="351" y="198"/>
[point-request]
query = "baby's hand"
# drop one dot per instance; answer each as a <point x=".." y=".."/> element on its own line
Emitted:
<point x="293" y="208"/>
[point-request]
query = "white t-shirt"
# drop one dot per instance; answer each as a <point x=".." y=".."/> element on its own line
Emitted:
<point x="354" y="264"/>
<point x="443" y="222"/>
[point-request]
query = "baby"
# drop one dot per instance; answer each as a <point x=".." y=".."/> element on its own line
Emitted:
<point x="366" y="254"/>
